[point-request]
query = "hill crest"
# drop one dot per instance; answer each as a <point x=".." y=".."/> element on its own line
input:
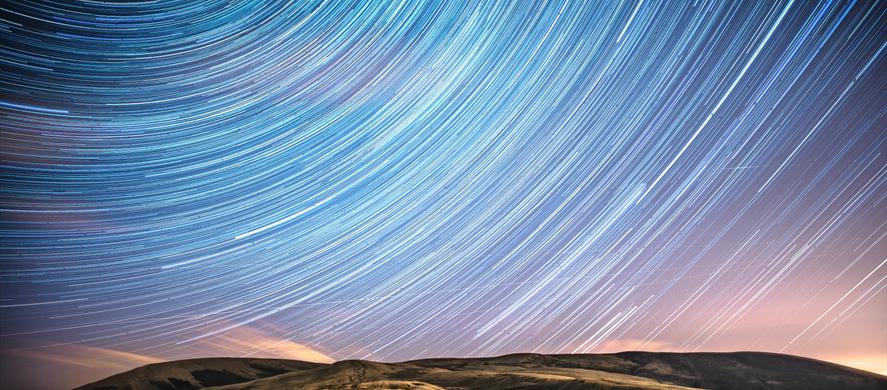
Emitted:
<point x="624" y="370"/>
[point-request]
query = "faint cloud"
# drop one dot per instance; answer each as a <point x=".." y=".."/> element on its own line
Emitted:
<point x="247" y="341"/>
<point x="75" y="364"/>
<point x="622" y="345"/>
<point x="90" y="357"/>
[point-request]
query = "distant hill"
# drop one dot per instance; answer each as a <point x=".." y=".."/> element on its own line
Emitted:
<point x="626" y="370"/>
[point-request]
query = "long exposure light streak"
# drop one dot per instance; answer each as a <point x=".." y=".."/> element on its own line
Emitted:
<point x="393" y="180"/>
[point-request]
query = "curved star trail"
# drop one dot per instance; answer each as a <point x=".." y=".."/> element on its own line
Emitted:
<point x="392" y="181"/>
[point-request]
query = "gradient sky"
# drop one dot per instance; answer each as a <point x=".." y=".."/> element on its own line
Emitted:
<point x="388" y="181"/>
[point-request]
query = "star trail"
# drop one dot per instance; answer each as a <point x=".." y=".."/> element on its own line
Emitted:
<point x="394" y="180"/>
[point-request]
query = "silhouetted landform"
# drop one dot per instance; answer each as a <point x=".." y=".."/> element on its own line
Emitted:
<point x="626" y="370"/>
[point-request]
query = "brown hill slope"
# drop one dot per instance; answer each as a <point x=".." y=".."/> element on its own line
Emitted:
<point x="626" y="370"/>
<point x="199" y="373"/>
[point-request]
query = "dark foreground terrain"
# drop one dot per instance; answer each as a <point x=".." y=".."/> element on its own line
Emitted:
<point x="626" y="370"/>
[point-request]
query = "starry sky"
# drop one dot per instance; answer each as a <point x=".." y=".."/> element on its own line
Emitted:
<point x="394" y="180"/>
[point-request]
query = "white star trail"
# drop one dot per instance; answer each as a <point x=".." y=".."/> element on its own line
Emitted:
<point x="393" y="180"/>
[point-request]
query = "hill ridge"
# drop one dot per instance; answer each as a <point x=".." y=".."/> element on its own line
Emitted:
<point x="621" y="370"/>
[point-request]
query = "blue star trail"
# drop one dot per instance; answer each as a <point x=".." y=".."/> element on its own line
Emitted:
<point x="393" y="180"/>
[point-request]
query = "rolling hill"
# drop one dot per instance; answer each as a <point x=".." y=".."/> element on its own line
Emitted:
<point x="626" y="370"/>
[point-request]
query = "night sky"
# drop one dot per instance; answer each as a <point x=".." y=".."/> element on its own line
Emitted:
<point x="388" y="181"/>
